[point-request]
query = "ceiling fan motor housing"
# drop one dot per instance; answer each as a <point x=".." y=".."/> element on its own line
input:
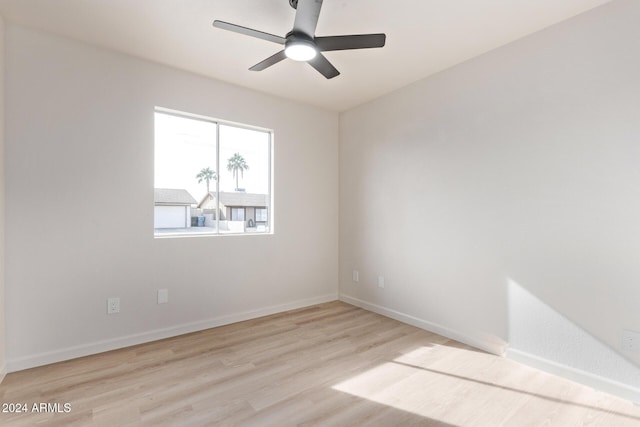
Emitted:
<point x="294" y="37"/>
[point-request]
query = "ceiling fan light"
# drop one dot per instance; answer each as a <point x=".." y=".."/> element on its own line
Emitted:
<point x="300" y="50"/>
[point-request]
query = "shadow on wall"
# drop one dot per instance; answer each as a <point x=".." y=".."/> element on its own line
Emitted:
<point x="540" y="336"/>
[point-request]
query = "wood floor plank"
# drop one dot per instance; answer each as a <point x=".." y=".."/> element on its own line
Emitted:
<point x="325" y="365"/>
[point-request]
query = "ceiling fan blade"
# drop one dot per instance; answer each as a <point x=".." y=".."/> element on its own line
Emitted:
<point x="323" y="66"/>
<point x="249" y="32"/>
<point x="360" y="41"/>
<point x="273" y="59"/>
<point x="307" y="14"/>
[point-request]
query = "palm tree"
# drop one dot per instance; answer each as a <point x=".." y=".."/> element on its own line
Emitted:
<point x="206" y="174"/>
<point x="237" y="163"/>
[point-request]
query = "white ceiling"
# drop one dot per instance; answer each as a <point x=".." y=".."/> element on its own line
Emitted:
<point x="423" y="37"/>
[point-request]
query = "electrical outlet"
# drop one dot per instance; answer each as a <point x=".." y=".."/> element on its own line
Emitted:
<point x="163" y="296"/>
<point x="631" y="341"/>
<point x="381" y="281"/>
<point x="356" y="276"/>
<point x="113" y="305"/>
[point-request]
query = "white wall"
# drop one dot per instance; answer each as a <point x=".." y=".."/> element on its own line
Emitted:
<point x="79" y="135"/>
<point x="522" y="166"/>
<point x="2" y="304"/>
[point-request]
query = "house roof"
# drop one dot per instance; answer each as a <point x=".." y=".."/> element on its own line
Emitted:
<point x="243" y="199"/>
<point x="240" y="199"/>
<point x="173" y="196"/>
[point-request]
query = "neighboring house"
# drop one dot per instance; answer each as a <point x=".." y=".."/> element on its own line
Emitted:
<point x="239" y="206"/>
<point x="172" y="208"/>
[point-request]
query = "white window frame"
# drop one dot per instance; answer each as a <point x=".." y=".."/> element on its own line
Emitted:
<point x="218" y="123"/>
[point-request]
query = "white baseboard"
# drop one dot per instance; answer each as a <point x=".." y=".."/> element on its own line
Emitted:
<point x="482" y="344"/>
<point x="158" y="334"/>
<point x="594" y="381"/>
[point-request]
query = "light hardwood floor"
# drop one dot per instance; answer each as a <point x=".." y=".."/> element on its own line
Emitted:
<point x="331" y="364"/>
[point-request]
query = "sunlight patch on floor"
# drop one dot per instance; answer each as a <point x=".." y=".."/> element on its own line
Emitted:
<point x="404" y="385"/>
<point x="436" y="382"/>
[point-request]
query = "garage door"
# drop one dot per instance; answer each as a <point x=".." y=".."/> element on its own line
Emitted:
<point x="170" y="217"/>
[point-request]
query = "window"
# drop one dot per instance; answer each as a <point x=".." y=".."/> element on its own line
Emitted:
<point x="261" y="214"/>
<point x="210" y="177"/>
<point x="237" y="214"/>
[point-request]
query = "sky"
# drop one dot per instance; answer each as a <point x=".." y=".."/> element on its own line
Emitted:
<point x="184" y="146"/>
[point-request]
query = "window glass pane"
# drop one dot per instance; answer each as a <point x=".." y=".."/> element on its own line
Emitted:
<point x="185" y="170"/>
<point x="244" y="179"/>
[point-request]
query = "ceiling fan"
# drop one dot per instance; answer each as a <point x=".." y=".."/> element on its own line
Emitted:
<point x="301" y="43"/>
